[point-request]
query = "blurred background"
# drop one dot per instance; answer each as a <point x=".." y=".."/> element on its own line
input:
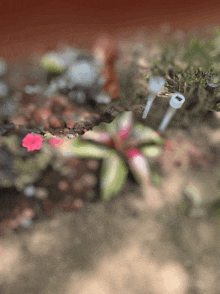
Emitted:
<point x="38" y="25"/>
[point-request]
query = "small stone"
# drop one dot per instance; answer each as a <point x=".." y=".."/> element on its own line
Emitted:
<point x="9" y="107"/>
<point x="63" y="186"/>
<point x="62" y="84"/>
<point x="70" y="124"/>
<point x="77" y="204"/>
<point x="89" y="180"/>
<point x="93" y="164"/>
<point x="41" y="193"/>
<point x="32" y="90"/>
<point x="51" y="90"/>
<point x="70" y="136"/>
<point x="41" y="115"/>
<point x="77" y="185"/>
<point x="26" y="222"/>
<point x="4" y="90"/>
<point x="82" y="73"/>
<point x="28" y="213"/>
<point x="54" y="122"/>
<point x="80" y="97"/>
<point x="29" y="191"/>
<point x="59" y="103"/>
<point x="103" y="98"/>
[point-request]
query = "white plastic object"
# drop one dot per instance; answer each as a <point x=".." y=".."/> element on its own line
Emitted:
<point x="213" y="81"/>
<point x="176" y="102"/>
<point x="148" y="105"/>
<point x="156" y="84"/>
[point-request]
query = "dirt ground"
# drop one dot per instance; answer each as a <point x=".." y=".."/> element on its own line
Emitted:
<point x="133" y="244"/>
<point x="163" y="238"/>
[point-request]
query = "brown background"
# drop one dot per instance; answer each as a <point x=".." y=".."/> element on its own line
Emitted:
<point x="26" y="25"/>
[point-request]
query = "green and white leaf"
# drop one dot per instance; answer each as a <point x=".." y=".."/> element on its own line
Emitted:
<point x="151" y="151"/>
<point x="88" y="150"/>
<point x="52" y="62"/>
<point x="140" y="168"/>
<point x="97" y="136"/>
<point x="114" y="173"/>
<point x="144" y="134"/>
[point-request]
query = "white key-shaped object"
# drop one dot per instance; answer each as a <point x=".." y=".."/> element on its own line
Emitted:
<point x="176" y="102"/>
<point x="156" y="84"/>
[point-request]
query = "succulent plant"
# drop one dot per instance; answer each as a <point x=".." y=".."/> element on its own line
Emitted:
<point x="123" y="146"/>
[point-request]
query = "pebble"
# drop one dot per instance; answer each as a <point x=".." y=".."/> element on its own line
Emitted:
<point x="63" y="186"/>
<point x="93" y="164"/>
<point x="42" y="193"/>
<point x="29" y="191"/>
<point x="31" y="90"/>
<point x="26" y="222"/>
<point x="89" y="180"/>
<point x="103" y="98"/>
<point x="70" y="136"/>
<point x="3" y="89"/>
<point x="82" y="73"/>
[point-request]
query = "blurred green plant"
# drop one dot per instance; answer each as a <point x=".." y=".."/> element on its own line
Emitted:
<point x="123" y="146"/>
<point x="192" y="69"/>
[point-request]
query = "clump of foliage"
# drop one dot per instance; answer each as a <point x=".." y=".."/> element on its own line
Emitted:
<point x="193" y="69"/>
<point x="123" y="146"/>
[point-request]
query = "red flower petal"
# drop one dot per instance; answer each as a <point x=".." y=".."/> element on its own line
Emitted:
<point x="55" y="142"/>
<point x="32" y="142"/>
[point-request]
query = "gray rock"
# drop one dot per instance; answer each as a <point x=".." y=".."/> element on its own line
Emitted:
<point x="4" y="90"/>
<point x="82" y="73"/>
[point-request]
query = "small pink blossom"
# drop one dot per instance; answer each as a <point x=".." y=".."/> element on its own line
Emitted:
<point x="32" y="142"/>
<point x="55" y="142"/>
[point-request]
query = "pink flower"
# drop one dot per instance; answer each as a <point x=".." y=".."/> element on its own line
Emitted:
<point x="55" y="142"/>
<point x="32" y="142"/>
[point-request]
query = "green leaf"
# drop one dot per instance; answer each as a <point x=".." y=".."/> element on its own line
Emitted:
<point x="146" y="135"/>
<point x="88" y="150"/>
<point x="113" y="175"/>
<point x="112" y="127"/>
<point x="98" y="136"/>
<point x="52" y="63"/>
<point x="125" y="124"/>
<point x="151" y="151"/>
